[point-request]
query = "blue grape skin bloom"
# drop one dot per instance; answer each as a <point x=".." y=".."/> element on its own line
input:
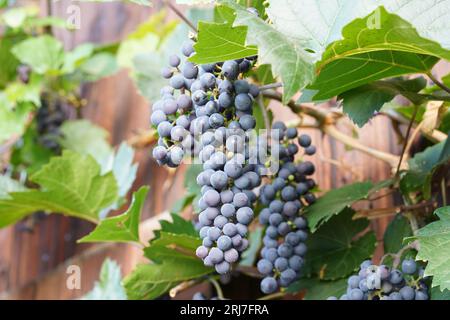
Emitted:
<point x="199" y="98"/>
<point x="379" y="282"/>
<point x="282" y="255"/>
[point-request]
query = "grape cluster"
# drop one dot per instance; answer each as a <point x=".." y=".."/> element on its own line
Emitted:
<point x="286" y="231"/>
<point x="198" y="105"/>
<point x="49" y="118"/>
<point x="206" y="112"/>
<point x="375" y="282"/>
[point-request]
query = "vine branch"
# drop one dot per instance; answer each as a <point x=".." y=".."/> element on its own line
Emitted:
<point x="327" y="123"/>
<point x="405" y="144"/>
<point x="180" y="15"/>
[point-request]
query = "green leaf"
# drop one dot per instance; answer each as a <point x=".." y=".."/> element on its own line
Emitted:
<point x="84" y="137"/>
<point x="249" y="256"/>
<point x="289" y="61"/>
<point x="172" y="245"/>
<point x="422" y="167"/>
<point x="334" y="201"/>
<point x="369" y="54"/>
<point x="70" y="184"/>
<point x="8" y="185"/>
<point x="43" y="54"/>
<point x="361" y="103"/>
<point x="8" y="67"/>
<point x="317" y="289"/>
<point x="73" y="59"/>
<point x="173" y="253"/>
<point x="109" y="287"/>
<point x="28" y="153"/>
<point x="437" y="294"/>
<point x="178" y="225"/>
<point x="122" y="228"/>
<point x="220" y="42"/>
<point x="434" y="247"/>
<point x="398" y="229"/>
<point x="333" y="251"/>
<point x="149" y="281"/>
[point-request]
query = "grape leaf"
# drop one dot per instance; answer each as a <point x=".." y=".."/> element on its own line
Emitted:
<point x="109" y="286"/>
<point x="220" y="42"/>
<point x="71" y="184"/>
<point x="334" y="201"/>
<point x="434" y="247"/>
<point x="398" y="229"/>
<point x="13" y="121"/>
<point x="368" y="54"/>
<point x="43" y="54"/>
<point x="121" y="228"/>
<point x="8" y="67"/>
<point x="289" y="61"/>
<point x="422" y="167"/>
<point x="437" y="294"/>
<point x="318" y="289"/>
<point x="7" y="185"/>
<point x="361" y="103"/>
<point x="333" y="251"/>
<point x="325" y="20"/>
<point x="86" y="138"/>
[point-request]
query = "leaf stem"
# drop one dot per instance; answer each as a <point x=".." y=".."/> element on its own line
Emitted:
<point x="271" y="86"/>
<point x="438" y="83"/>
<point x="180" y="15"/>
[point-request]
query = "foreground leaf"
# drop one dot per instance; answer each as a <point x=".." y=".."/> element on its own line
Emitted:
<point x="434" y="247"/>
<point x="361" y="103"/>
<point x="220" y="42"/>
<point x="109" y="287"/>
<point x="70" y="184"/>
<point x="397" y="230"/>
<point x="333" y="252"/>
<point x="122" y="228"/>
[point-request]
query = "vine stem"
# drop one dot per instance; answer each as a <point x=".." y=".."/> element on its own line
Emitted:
<point x="264" y="112"/>
<point x="272" y="296"/>
<point x="327" y="123"/>
<point x="180" y="15"/>
<point x="218" y="288"/>
<point x="438" y="83"/>
<point x="406" y="142"/>
<point x="181" y="287"/>
<point x="398" y="255"/>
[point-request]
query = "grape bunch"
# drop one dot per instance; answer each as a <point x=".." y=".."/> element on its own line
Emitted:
<point x="375" y="282"/>
<point x="49" y="118"/>
<point x="286" y="231"/>
<point x="206" y="112"/>
<point x="199" y="104"/>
